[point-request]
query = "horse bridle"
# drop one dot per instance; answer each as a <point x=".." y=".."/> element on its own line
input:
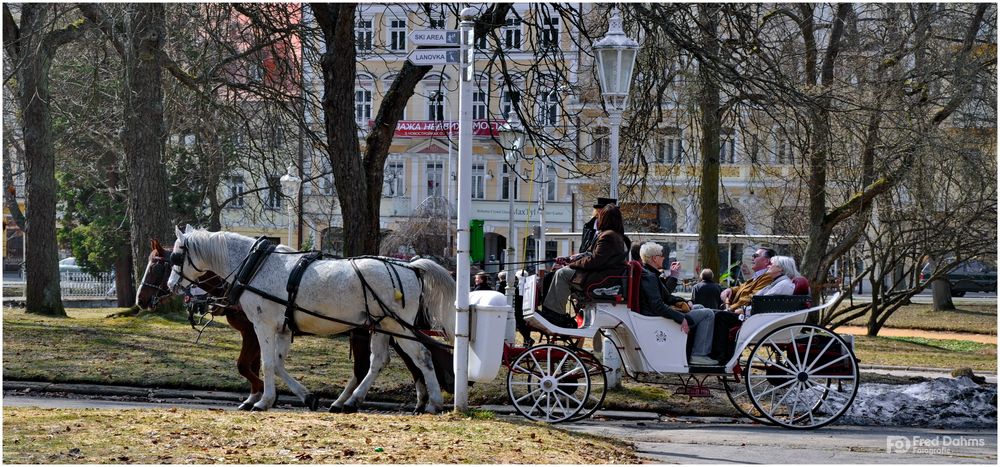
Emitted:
<point x="158" y="268"/>
<point x="177" y="259"/>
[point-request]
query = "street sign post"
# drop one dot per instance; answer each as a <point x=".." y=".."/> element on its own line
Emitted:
<point x="435" y="57"/>
<point x="439" y="37"/>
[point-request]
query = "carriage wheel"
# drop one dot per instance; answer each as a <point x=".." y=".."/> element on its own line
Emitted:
<point x="598" y="385"/>
<point x="736" y="391"/>
<point x="802" y="376"/>
<point x="548" y="383"/>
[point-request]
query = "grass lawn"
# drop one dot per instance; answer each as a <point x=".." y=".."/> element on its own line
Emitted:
<point x="921" y="352"/>
<point x="51" y="436"/>
<point x="976" y="319"/>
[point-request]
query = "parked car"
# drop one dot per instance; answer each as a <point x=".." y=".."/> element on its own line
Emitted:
<point x="69" y="265"/>
<point x="969" y="276"/>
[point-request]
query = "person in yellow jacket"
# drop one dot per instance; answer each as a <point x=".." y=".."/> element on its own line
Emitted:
<point x="735" y="298"/>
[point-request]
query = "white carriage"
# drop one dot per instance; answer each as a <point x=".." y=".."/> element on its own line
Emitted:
<point x="800" y="375"/>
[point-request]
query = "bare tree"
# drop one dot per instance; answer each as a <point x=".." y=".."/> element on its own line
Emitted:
<point x="31" y="45"/>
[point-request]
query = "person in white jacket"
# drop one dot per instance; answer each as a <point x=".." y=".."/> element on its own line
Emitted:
<point x="783" y="270"/>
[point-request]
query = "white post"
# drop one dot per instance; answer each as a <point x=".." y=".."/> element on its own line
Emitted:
<point x="615" y="119"/>
<point x="511" y="239"/>
<point x="466" y="70"/>
<point x="542" y="195"/>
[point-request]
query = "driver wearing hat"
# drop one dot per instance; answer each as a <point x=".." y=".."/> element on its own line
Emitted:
<point x="589" y="231"/>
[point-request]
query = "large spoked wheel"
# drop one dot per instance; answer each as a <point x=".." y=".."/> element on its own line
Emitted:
<point x="737" y="393"/>
<point x="548" y="383"/>
<point x="598" y="385"/>
<point x="802" y="376"/>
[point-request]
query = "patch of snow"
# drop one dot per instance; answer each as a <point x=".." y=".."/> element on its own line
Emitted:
<point x="937" y="403"/>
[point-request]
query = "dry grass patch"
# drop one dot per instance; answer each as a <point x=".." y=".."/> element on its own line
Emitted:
<point x="934" y="353"/>
<point x="34" y="436"/>
<point x="975" y="319"/>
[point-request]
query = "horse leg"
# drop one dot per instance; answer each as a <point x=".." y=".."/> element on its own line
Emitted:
<point x="282" y="344"/>
<point x="379" y="357"/>
<point x="267" y="336"/>
<point x="422" y="359"/>
<point x="248" y="363"/>
<point x="361" y="350"/>
<point x="418" y="377"/>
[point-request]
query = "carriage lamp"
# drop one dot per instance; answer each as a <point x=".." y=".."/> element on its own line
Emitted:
<point x="290" y="185"/>
<point x="511" y="137"/>
<point x="615" y="54"/>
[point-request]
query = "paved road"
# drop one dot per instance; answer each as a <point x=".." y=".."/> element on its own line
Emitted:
<point x="691" y="440"/>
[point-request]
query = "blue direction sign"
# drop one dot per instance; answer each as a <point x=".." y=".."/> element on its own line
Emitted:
<point x="435" y="57"/>
<point x="438" y="37"/>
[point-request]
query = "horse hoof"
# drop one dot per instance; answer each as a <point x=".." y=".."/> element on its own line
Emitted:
<point x="312" y="402"/>
<point x="336" y="409"/>
<point x="246" y="407"/>
<point x="350" y="409"/>
<point x="254" y="408"/>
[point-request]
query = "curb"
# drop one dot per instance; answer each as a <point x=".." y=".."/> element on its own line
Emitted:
<point x="156" y="394"/>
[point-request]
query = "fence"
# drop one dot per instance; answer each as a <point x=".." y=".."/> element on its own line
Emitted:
<point x="73" y="285"/>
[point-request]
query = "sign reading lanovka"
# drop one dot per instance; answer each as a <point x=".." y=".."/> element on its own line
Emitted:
<point x="437" y="37"/>
<point x="435" y="57"/>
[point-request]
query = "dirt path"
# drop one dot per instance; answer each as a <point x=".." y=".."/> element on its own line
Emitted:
<point x="894" y="332"/>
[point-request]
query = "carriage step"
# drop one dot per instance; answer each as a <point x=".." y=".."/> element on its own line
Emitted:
<point x="709" y="369"/>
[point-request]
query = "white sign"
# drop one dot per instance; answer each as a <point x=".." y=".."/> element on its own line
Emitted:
<point x="498" y="211"/>
<point x="435" y="57"/>
<point x="435" y="37"/>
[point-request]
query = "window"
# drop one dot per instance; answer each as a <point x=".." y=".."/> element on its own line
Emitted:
<point x="507" y="103"/>
<point x="326" y="179"/>
<point x="601" y="148"/>
<point x="435" y="172"/>
<point x="727" y="148"/>
<point x="669" y="147"/>
<point x="512" y="34"/>
<point x="393" y="180"/>
<point x="363" y="33"/>
<point x="507" y="180"/>
<point x="783" y="152"/>
<point x="481" y="42"/>
<point x="437" y="23"/>
<point x="548" y="108"/>
<point x="478" y="181"/>
<point x="362" y="106"/>
<point x="397" y="35"/>
<point x="479" y="104"/>
<point x="550" y="33"/>
<point x="277" y="136"/>
<point x="550" y="182"/>
<point x="236" y="190"/>
<point x="435" y="106"/>
<point x="272" y="198"/>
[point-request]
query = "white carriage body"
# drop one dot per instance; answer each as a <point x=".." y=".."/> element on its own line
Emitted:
<point x="652" y="344"/>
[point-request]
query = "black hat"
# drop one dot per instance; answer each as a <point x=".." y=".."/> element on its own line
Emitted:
<point x="601" y="202"/>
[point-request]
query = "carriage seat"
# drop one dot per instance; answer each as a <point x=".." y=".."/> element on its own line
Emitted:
<point x="801" y="286"/>
<point x="615" y="289"/>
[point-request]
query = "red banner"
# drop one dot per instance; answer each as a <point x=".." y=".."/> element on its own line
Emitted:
<point x="432" y="128"/>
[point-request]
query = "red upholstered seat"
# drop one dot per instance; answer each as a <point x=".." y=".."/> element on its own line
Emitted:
<point x="801" y="286"/>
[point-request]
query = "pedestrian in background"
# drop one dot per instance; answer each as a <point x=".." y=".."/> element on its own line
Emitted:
<point x="706" y="292"/>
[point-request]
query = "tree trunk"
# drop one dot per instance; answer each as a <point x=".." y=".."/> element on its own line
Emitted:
<point x="42" y="292"/>
<point x="148" y="206"/>
<point x="711" y="125"/>
<point x="941" y="293"/>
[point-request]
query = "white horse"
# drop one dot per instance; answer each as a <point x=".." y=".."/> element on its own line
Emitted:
<point x="343" y="294"/>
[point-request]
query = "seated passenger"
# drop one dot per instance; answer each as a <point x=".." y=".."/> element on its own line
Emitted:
<point x="654" y="299"/>
<point x="737" y="297"/>
<point x="607" y="258"/>
<point x="783" y="273"/>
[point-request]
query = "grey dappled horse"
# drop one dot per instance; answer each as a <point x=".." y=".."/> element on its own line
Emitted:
<point x="331" y="288"/>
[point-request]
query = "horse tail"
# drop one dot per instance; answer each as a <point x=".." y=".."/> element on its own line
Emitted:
<point x="439" y="296"/>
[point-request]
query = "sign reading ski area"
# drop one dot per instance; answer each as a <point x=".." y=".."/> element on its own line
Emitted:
<point x="435" y="57"/>
<point x="434" y="37"/>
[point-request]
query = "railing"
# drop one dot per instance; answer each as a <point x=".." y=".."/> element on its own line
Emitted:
<point x="72" y="285"/>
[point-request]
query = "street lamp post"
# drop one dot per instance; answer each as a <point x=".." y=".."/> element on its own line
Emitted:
<point x="290" y="185"/>
<point x="512" y="137"/>
<point x="615" y="54"/>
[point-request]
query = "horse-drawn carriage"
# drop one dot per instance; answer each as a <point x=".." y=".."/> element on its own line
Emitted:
<point x="783" y="371"/>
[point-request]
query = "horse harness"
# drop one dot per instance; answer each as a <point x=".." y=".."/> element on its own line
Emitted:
<point x="262" y="248"/>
